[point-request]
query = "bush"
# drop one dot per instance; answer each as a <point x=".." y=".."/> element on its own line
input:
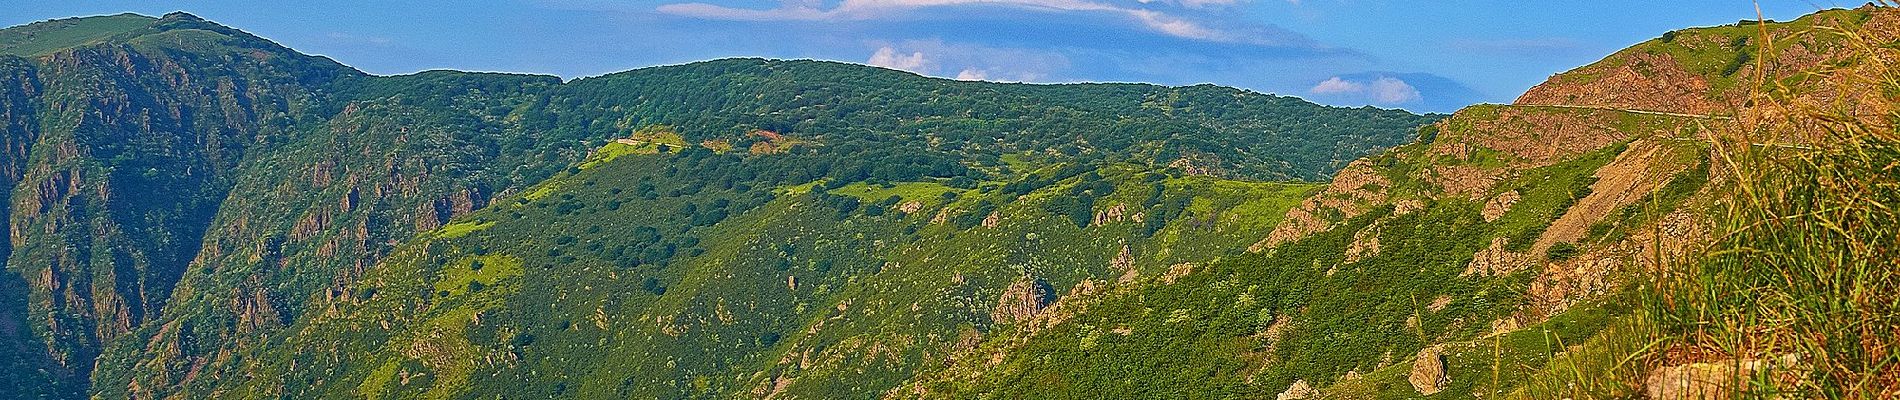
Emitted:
<point x="1562" y="251"/>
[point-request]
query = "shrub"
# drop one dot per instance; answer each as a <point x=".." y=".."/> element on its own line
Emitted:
<point x="1562" y="251"/>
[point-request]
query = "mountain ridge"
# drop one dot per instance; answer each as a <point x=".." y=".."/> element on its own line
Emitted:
<point x="785" y="229"/>
<point x="182" y="189"/>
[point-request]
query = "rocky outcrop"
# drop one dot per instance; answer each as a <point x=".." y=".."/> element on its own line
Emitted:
<point x="1462" y="181"/>
<point x="1500" y="204"/>
<point x="1428" y="374"/>
<point x="1111" y="214"/>
<point x="1176" y="272"/>
<point x="1365" y="243"/>
<point x="1532" y="137"/>
<point x="1636" y="80"/>
<point x="1200" y="164"/>
<point x="1299" y="391"/>
<point x="1125" y="262"/>
<point x="1022" y="301"/>
<point x="1354" y="191"/>
<point x="1496" y="260"/>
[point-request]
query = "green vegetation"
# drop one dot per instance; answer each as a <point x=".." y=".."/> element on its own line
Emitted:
<point x="253" y="222"/>
<point x="1801" y="274"/>
<point x="1546" y="193"/>
<point x="45" y="37"/>
<point x="1561" y="251"/>
<point x="280" y="179"/>
<point x="1809" y="239"/>
<point x="622" y="301"/>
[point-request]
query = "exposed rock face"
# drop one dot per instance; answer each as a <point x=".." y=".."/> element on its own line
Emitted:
<point x="1022" y="300"/>
<point x="1538" y="136"/>
<point x="1499" y="205"/>
<point x="1112" y="214"/>
<point x="1428" y="372"/>
<point x="1591" y="274"/>
<point x="1299" y="390"/>
<point x="1124" y="261"/>
<point x="1365" y="243"/>
<point x="1466" y="181"/>
<point x="1354" y="191"/>
<point x="1635" y="173"/>
<point x="1199" y="164"/>
<point x="1176" y="272"/>
<point x="1638" y="81"/>
<point x="1496" y="260"/>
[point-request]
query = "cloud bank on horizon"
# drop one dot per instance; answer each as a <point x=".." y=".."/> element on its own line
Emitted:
<point x="1190" y="35"/>
<point x="1421" y="57"/>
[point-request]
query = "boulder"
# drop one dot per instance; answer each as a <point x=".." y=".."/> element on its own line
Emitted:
<point x="1428" y="372"/>
<point x="1718" y="380"/>
<point x="1299" y="390"/>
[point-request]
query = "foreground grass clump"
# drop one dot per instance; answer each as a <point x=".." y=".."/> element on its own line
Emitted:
<point x="1797" y="295"/>
<point x="1809" y="260"/>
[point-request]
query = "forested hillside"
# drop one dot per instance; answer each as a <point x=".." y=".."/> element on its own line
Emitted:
<point x="196" y="212"/>
<point x="185" y="199"/>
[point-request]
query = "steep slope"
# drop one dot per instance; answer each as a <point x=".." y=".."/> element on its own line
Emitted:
<point x="125" y="160"/>
<point x="200" y="213"/>
<point x="728" y="293"/>
<point x="182" y="192"/>
<point x="1457" y="266"/>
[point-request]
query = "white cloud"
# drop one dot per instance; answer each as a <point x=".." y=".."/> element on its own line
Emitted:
<point x="1384" y="90"/>
<point x="972" y="74"/>
<point x="805" y="10"/>
<point x="1336" y="85"/>
<point x="968" y="61"/>
<point x="1390" y="90"/>
<point x="888" y="57"/>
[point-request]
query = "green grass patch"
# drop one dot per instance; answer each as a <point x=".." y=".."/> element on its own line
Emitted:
<point x="909" y="191"/>
<point x="476" y="273"/>
<point x="46" y="37"/>
<point x="460" y="229"/>
<point x="1545" y="193"/>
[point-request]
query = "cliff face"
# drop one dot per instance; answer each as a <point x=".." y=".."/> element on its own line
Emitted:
<point x="113" y="185"/>
<point x="183" y="179"/>
<point x="1714" y="70"/>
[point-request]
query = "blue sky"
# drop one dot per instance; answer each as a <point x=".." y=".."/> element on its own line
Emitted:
<point x="1432" y="56"/>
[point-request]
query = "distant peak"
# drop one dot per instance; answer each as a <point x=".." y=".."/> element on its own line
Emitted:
<point x="181" y="16"/>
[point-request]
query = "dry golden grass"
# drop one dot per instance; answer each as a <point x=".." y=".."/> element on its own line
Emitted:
<point x="1806" y="260"/>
